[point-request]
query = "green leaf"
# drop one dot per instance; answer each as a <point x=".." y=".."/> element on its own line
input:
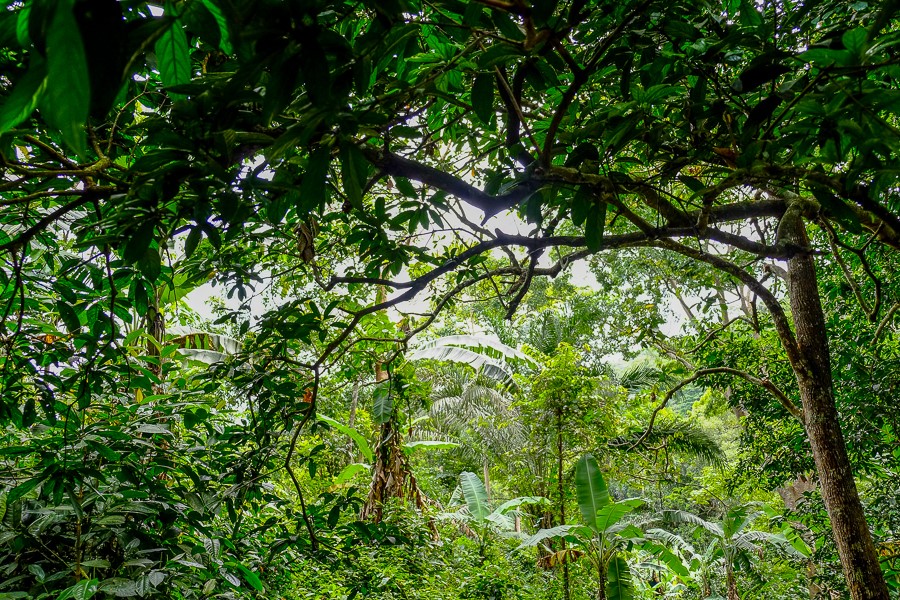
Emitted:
<point x="354" y="171"/>
<point x="104" y="451"/>
<point x="483" y="97"/>
<point x="350" y="471"/>
<point x="475" y="496"/>
<point x="67" y="101"/>
<point x="312" y="186"/>
<point x="498" y="53"/>
<point x="139" y="241"/>
<point x="533" y="207"/>
<point x="750" y="17"/>
<point x="516" y="502"/>
<point x="826" y="57"/>
<point x="594" y="226"/>
<point x="22" y="35"/>
<point x="69" y="316"/>
<point x="38" y="572"/>
<point x="672" y="562"/>
<point x="612" y="513"/>
<point x="150" y="264"/>
<point x="410" y="447"/>
<point x="222" y="22"/>
<point x="193" y="239"/>
<point x="82" y="590"/>
<point x="25" y="96"/>
<point x="119" y="587"/>
<point x="21" y="490"/>
<point x="591" y="490"/>
<point x="855" y="41"/>
<point x="382" y="403"/>
<point x="249" y="576"/>
<point x="560" y="531"/>
<point x="618" y="580"/>
<point x="172" y="56"/>
<point x="356" y="436"/>
<point x="406" y="187"/>
<point x="581" y="203"/>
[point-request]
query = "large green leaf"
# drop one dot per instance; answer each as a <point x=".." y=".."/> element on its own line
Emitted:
<point x="354" y="171"/>
<point x="612" y="513"/>
<point x="483" y="97"/>
<point x="222" y="22"/>
<point x="618" y="580"/>
<point x="475" y="495"/>
<point x="172" y="56"/>
<point x="84" y="589"/>
<point x="491" y="357"/>
<point x="487" y="346"/>
<point x="382" y="402"/>
<point x="66" y="103"/>
<point x="680" y="516"/>
<point x="517" y="502"/>
<point x="350" y="471"/>
<point x="249" y="576"/>
<point x="672" y="562"/>
<point x="25" y="96"/>
<point x="356" y="436"/>
<point x="560" y="531"/>
<point x="410" y="447"/>
<point x="591" y="490"/>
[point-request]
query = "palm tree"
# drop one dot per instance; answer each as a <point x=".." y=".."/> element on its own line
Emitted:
<point x="734" y="541"/>
<point x="470" y="400"/>
<point x="469" y="408"/>
<point x="683" y="560"/>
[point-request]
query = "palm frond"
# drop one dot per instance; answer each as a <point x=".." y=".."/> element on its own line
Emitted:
<point x="681" y="516"/>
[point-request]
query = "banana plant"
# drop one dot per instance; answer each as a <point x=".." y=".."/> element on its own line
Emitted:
<point x="476" y="514"/>
<point x="604" y="533"/>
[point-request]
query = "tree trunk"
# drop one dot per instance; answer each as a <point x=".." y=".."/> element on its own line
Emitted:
<point x="486" y="470"/>
<point x="730" y="582"/>
<point x="560" y="487"/>
<point x="851" y="532"/>
<point x="601" y="580"/>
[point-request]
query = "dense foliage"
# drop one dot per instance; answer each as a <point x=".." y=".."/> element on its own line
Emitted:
<point x="511" y="299"/>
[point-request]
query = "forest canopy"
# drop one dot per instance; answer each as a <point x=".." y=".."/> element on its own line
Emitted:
<point x="511" y="299"/>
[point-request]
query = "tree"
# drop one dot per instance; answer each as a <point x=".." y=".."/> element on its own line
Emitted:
<point x="328" y="138"/>
<point x="734" y="542"/>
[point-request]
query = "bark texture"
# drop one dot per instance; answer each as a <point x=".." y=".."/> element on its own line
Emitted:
<point x="854" y="541"/>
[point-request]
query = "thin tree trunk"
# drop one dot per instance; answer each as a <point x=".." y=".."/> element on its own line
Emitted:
<point x="851" y="532"/>
<point x="486" y="470"/>
<point x="560" y="484"/>
<point x="731" y="583"/>
<point x="354" y="402"/>
<point x="601" y="581"/>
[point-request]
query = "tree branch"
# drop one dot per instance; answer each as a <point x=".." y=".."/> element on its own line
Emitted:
<point x="773" y="389"/>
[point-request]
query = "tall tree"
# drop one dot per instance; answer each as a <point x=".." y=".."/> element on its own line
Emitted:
<point x="247" y="137"/>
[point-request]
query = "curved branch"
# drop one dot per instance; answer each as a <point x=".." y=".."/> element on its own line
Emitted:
<point x="773" y="389"/>
<point x="310" y="412"/>
<point x="779" y="317"/>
